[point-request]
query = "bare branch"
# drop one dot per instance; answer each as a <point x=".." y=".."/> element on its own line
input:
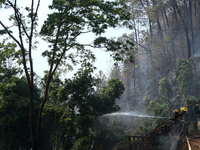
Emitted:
<point x="36" y="10"/>
<point x="65" y="49"/>
<point x="137" y="43"/>
<point x="19" y="17"/>
<point x="23" y="98"/>
<point x="86" y="31"/>
<point x="10" y="34"/>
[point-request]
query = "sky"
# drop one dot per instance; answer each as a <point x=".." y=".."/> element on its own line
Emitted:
<point x="104" y="62"/>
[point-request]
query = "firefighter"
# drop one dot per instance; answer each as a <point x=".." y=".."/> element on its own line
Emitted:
<point x="184" y="114"/>
<point x="176" y="115"/>
<point x="184" y="118"/>
<point x="177" y="123"/>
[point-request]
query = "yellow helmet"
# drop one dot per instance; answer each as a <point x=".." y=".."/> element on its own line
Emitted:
<point x="183" y="109"/>
<point x="176" y="110"/>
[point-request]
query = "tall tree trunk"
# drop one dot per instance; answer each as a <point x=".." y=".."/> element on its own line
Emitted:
<point x="150" y="28"/>
<point x="195" y="8"/>
<point x="159" y="28"/>
<point x="31" y="114"/>
<point x="166" y="19"/>
<point x="191" y="26"/>
<point x="186" y="30"/>
<point x="136" y="37"/>
<point x="188" y="41"/>
<point x="157" y="20"/>
<point x="163" y="18"/>
<point x="173" y="3"/>
<point x="185" y="7"/>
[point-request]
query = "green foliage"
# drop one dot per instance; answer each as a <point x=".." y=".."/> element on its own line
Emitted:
<point x="74" y="18"/>
<point x="69" y="19"/>
<point x="184" y="76"/>
<point x="109" y="136"/>
<point x="146" y="125"/>
<point x="184" y="87"/>
<point x="158" y="107"/>
<point x="76" y="105"/>
<point x="152" y="85"/>
<point x="69" y="113"/>
<point x="186" y="82"/>
<point x="84" y="142"/>
<point x="14" y="125"/>
<point x="164" y="87"/>
<point x="109" y="93"/>
<point x="14" y="122"/>
<point x="8" y="56"/>
<point x="108" y="132"/>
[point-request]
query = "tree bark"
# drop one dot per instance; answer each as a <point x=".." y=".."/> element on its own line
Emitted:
<point x="188" y="41"/>
<point x="159" y="28"/>
<point x="195" y="8"/>
<point x="20" y="42"/>
<point x="163" y="18"/>
<point x="186" y="30"/>
<point x="191" y="26"/>
<point x="174" y="8"/>
<point x="166" y="19"/>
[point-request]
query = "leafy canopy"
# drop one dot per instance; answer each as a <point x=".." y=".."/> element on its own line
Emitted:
<point x="70" y="19"/>
<point x="80" y="104"/>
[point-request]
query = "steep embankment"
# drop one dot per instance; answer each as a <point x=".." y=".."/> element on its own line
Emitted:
<point x="166" y="137"/>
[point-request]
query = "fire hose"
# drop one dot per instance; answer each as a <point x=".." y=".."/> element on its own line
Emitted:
<point x="188" y="143"/>
<point x="173" y="147"/>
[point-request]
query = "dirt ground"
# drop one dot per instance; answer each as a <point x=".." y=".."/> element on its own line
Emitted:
<point x="194" y="142"/>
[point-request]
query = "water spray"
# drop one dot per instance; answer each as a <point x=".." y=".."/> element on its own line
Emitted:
<point x="133" y="114"/>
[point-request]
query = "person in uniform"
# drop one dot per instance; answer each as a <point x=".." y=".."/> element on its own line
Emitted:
<point x="185" y="120"/>
<point x="177" y="124"/>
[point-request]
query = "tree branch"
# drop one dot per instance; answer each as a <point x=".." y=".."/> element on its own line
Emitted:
<point x="137" y="43"/>
<point x="30" y="43"/>
<point x="10" y="34"/>
<point x="19" y="17"/>
<point x="23" y="98"/>
<point x="36" y="10"/>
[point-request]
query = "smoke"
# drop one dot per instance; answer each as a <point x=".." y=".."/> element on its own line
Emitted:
<point x="167" y="142"/>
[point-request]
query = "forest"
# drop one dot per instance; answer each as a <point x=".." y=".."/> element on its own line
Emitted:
<point x="156" y="70"/>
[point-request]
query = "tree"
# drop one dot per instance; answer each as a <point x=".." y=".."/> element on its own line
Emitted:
<point x="167" y="34"/>
<point x="80" y="103"/>
<point x="14" y="122"/>
<point x="186" y="83"/>
<point x="13" y="102"/>
<point x="13" y="127"/>
<point x="8" y="55"/>
<point x="69" y="20"/>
